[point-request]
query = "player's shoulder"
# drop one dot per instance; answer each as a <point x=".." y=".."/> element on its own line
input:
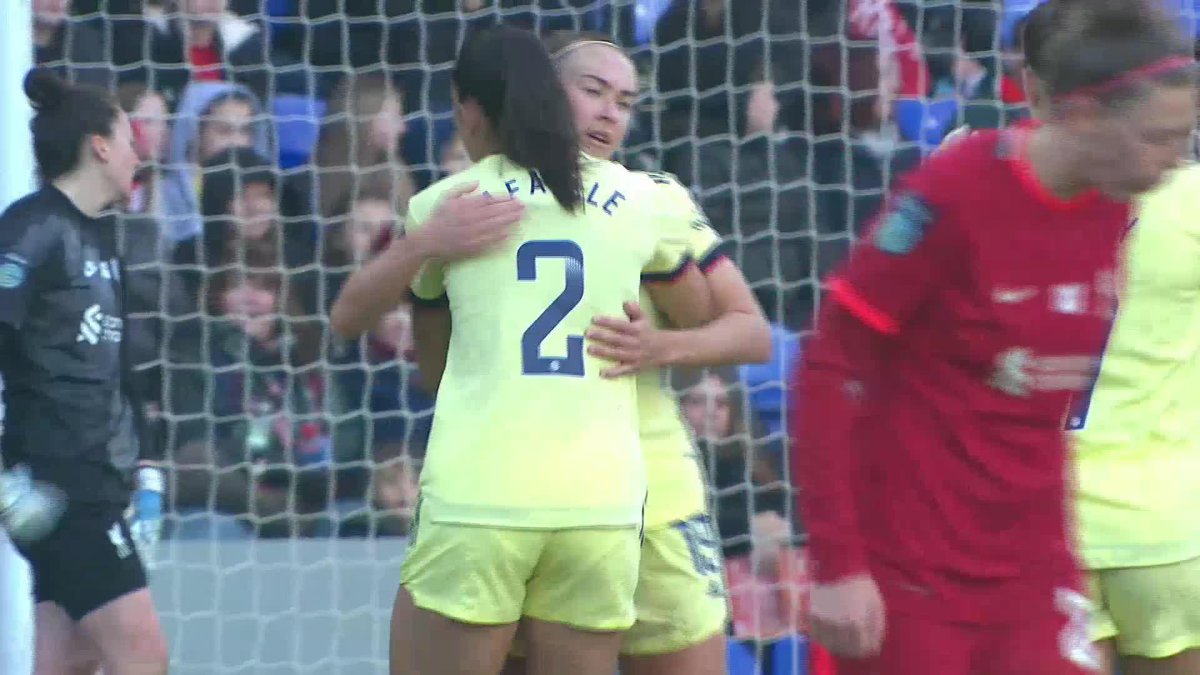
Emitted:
<point x="39" y="215"/>
<point x="1178" y="188"/>
<point x="1171" y="206"/>
<point x="424" y="202"/>
<point x="665" y="185"/>
<point x="979" y="149"/>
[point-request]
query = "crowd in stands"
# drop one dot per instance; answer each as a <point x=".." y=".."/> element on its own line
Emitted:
<point x="282" y="140"/>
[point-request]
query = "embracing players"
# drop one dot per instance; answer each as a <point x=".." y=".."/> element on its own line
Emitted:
<point x="1137" y="438"/>
<point x="680" y="603"/>
<point x="929" y="407"/>
<point x="71" y="421"/>
<point x="533" y="488"/>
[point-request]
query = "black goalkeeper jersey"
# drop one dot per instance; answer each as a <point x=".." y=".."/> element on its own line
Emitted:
<point x="61" y="322"/>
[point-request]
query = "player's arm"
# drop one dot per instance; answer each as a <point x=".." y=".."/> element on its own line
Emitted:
<point x="672" y="277"/>
<point x="431" y="342"/>
<point x="739" y="333"/>
<point x="462" y="225"/>
<point x="890" y="277"/>
<point x="29" y="509"/>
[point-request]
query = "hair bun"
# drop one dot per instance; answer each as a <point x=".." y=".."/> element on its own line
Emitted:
<point x="45" y="89"/>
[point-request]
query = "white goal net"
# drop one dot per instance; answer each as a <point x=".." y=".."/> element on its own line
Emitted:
<point x="282" y="137"/>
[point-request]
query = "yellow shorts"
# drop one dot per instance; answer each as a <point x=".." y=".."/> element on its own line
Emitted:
<point x="582" y="577"/>
<point x="680" y="599"/>
<point x="1152" y="612"/>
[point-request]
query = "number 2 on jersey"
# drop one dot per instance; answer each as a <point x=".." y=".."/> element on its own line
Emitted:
<point x="532" y="361"/>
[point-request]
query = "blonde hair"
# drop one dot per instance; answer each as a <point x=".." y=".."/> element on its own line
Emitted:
<point x="344" y="156"/>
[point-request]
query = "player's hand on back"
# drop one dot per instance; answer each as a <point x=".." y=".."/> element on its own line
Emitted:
<point x="847" y="616"/>
<point x="467" y="223"/>
<point x="632" y="342"/>
<point x="29" y="509"/>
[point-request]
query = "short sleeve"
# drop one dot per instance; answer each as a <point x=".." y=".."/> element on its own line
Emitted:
<point x="896" y="269"/>
<point x="684" y="235"/>
<point x="23" y="248"/>
<point x="429" y="286"/>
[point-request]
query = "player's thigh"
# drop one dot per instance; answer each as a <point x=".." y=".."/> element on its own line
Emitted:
<point x="558" y="648"/>
<point x="706" y="657"/>
<point x="680" y="600"/>
<point x="1155" y="610"/>
<point x="127" y="634"/>
<point x="88" y="561"/>
<point x="586" y="579"/>
<point x="59" y="646"/>
<point x="468" y="573"/>
<point x="400" y="635"/>
<point x="1055" y="641"/>
<point x="444" y="646"/>
<point x="1103" y="630"/>
<point x="915" y="645"/>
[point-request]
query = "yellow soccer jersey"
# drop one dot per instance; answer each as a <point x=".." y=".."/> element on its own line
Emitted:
<point x="1138" y="440"/>
<point x="672" y="467"/>
<point x="525" y="432"/>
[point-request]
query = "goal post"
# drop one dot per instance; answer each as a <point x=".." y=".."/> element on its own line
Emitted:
<point x="16" y="180"/>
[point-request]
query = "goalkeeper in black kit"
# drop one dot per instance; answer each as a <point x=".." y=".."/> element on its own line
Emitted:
<point x="72" y="427"/>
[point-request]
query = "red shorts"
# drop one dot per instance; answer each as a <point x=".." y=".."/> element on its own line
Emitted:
<point x="1057" y="645"/>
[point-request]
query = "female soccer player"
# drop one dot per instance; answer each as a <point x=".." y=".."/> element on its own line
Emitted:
<point x="1136" y="434"/>
<point x="70" y="419"/>
<point x="680" y="601"/>
<point x="930" y="403"/>
<point x="533" y="488"/>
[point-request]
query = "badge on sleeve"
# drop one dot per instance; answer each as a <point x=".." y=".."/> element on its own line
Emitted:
<point x="13" y="270"/>
<point x="904" y="225"/>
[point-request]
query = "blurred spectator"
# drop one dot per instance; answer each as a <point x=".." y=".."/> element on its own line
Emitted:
<point x="357" y="231"/>
<point x="147" y="112"/>
<point x="242" y="226"/>
<point x="74" y="49"/>
<point x="710" y="52"/>
<point x="393" y="499"/>
<point x="843" y="79"/>
<point x="201" y="41"/>
<point x="360" y="139"/>
<point x="211" y="118"/>
<point x="768" y="587"/>
<point x="272" y="423"/>
<point x="374" y="372"/>
<point x="754" y="191"/>
<point x="745" y="476"/>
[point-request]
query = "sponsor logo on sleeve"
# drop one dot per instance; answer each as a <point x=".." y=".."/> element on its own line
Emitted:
<point x="14" y="269"/>
<point x="904" y="225"/>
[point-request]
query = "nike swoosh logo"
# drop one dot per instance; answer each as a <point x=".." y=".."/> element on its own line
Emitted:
<point x="1013" y="296"/>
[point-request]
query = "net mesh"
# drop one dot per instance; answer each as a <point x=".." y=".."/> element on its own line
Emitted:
<point x="294" y="459"/>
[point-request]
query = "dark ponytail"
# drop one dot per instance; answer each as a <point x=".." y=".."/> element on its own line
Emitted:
<point x="65" y="115"/>
<point x="1108" y="50"/>
<point x="1037" y="29"/>
<point x="510" y="75"/>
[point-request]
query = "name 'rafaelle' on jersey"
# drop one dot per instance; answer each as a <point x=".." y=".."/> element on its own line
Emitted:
<point x="594" y="194"/>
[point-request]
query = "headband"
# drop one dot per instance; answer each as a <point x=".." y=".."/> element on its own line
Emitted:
<point x="1151" y="69"/>
<point x="582" y="43"/>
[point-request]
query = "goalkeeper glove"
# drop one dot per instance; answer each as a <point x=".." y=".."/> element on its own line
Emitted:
<point x="145" y="523"/>
<point x="29" y="509"/>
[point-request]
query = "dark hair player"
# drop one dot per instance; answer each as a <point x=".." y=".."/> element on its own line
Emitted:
<point x="70" y="422"/>
<point x="928" y="426"/>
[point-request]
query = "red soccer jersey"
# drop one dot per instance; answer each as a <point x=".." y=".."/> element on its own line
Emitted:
<point x="993" y="299"/>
